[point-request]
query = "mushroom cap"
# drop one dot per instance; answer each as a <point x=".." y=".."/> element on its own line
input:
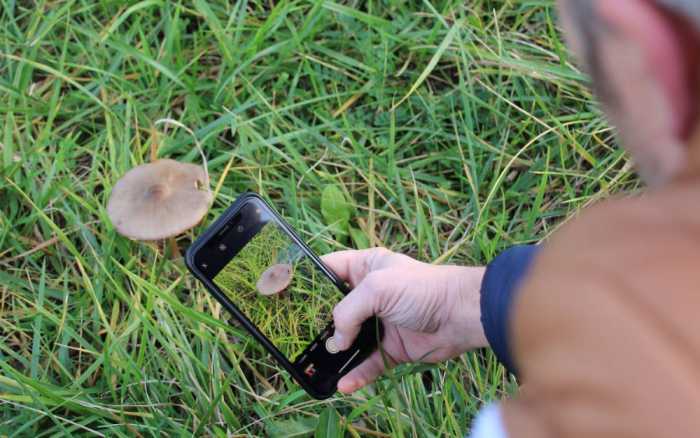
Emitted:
<point x="159" y="200"/>
<point x="275" y="279"/>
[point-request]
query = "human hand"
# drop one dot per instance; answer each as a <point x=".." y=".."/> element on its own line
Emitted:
<point x="430" y="313"/>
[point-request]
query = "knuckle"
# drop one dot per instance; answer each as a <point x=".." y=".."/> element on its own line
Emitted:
<point x="379" y="291"/>
<point x="374" y="282"/>
<point x="341" y="317"/>
<point x="381" y="251"/>
<point x="376" y="257"/>
<point x="338" y="314"/>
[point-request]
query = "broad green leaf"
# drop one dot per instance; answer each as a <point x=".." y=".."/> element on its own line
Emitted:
<point x="336" y="209"/>
<point x="329" y="424"/>
<point x="293" y="427"/>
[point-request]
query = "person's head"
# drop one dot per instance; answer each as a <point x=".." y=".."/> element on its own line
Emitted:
<point x="644" y="58"/>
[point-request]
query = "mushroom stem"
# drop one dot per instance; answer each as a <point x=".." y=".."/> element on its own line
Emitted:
<point x="155" y="143"/>
<point x="174" y="249"/>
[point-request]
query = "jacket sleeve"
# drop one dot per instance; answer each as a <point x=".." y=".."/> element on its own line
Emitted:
<point x="502" y="281"/>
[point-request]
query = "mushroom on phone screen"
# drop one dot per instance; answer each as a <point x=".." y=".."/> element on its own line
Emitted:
<point x="275" y="279"/>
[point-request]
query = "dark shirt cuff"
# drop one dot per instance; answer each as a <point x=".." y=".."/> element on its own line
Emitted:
<point x="502" y="280"/>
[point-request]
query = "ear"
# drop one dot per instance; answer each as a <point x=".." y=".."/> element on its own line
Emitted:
<point x="644" y="63"/>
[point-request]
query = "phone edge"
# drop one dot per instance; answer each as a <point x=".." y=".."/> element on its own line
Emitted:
<point x="231" y="307"/>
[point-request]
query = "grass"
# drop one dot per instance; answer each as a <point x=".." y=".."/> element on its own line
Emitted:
<point x="455" y="128"/>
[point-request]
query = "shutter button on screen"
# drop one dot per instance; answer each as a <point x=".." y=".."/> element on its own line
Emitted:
<point x="330" y="346"/>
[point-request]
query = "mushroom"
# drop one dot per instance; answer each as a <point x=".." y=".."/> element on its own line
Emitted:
<point x="275" y="279"/>
<point x="159" y="200"/>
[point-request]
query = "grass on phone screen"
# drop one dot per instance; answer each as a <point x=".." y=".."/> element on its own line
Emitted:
<point x="290" y="319"/>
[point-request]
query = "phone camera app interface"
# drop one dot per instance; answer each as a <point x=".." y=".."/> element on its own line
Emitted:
<point x="280" y="289"/>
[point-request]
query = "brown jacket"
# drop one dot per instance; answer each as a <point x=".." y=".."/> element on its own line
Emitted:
<point x="607" y="327"/>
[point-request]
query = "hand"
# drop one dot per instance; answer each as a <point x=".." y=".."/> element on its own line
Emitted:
<point x="430" y="313"/>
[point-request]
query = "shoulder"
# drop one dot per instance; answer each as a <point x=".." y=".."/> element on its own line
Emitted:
<point x="608" y="315"/>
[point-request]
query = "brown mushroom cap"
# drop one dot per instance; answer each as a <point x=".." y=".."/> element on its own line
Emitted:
<point x="159" y="200"/>
<point x="275" y="279"/>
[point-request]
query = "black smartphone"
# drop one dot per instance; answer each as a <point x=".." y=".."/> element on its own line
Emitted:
<point x="259" y="269"/>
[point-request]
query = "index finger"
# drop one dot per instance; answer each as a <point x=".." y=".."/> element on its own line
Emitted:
<point x="353" y="265"/>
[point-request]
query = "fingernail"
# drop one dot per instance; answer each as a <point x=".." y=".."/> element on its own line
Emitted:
<point x="339" y="341"/>
<point x="347" y="386"/>
<point x="344" y="386"/>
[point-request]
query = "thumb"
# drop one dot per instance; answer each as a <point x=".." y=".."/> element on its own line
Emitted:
<point x="359" y="305"/>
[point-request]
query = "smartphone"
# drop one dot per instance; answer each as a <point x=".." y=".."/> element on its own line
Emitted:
<point x="259" y="269"/>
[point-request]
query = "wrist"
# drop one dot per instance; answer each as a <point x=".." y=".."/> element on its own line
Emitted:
<point x="467" y="308"/>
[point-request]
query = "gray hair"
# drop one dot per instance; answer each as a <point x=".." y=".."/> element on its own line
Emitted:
<point x="590" y="30"/>
<point x="689" y="9"/>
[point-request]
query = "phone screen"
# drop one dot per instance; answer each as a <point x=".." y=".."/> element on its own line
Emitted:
<point x="259" y="269"/>
<point x="279" y="288"/>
